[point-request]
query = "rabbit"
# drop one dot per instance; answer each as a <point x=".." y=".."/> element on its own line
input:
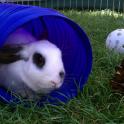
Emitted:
<point x="31" y="70"/>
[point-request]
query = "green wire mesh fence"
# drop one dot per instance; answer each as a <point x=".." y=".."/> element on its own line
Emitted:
<point x="117" y="5"/>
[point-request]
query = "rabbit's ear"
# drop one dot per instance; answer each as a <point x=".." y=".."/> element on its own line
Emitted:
<point x="9" y="54"/>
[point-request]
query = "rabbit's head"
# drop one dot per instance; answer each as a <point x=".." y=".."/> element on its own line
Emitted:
<point x="42" y="67"/>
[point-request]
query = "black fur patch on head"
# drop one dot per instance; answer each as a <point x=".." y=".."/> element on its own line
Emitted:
<point x="38" y="60"/>
<point x="8" y="54"/>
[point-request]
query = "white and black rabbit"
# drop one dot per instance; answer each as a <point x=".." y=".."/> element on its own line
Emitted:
<point x="31" y="69"/>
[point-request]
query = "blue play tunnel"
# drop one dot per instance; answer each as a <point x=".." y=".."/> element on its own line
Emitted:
<point x="60" y="30"/>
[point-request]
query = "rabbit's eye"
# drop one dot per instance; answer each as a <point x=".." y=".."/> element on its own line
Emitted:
<point x="38" y="60"/>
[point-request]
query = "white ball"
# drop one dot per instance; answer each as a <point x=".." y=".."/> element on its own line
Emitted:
<point x="115" y="41"/>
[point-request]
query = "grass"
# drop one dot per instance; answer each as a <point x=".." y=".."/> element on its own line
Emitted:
<point x="96" y="104"/>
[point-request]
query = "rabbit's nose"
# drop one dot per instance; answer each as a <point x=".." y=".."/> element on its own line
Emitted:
<point x="62" y="74"/>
